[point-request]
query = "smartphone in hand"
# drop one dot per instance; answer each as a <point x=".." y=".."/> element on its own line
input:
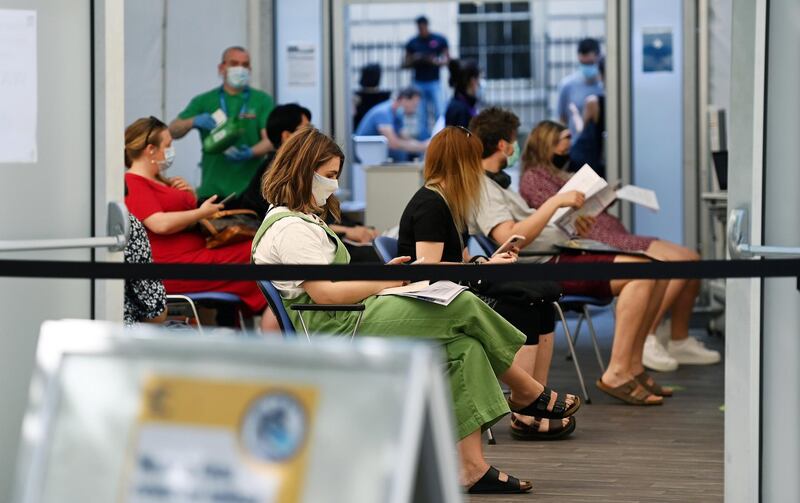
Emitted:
<point x="227" y="198"/>
<point x="514" y="240"/>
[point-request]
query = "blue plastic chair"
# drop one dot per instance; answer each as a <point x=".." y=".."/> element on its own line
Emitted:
<point x="208" y="298"/>
<point x="570" y="303"/>
<point x="277" y="307"/>
<point x="385" y="247"/>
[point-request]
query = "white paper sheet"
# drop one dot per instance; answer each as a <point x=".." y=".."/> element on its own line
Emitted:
<point x="302" y="64"/>
<point x="586" y="181"/>
<point x="18" y="86"/>
<point x="441" y="292"/>
<point x="640" y="196"/>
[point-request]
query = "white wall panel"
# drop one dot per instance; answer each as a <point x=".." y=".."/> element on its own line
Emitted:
<point x="144" y="54"/>
<point x="657" y="99"/>
<point x="49" y="199"/>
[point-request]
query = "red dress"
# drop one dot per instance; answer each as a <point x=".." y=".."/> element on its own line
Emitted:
<point x="537" y="185"/>
<point x="146" y="197"/>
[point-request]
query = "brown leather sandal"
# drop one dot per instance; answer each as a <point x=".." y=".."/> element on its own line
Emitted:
<point x="652" y="386"/>
<point x="631" y="393"/>
<point x="522" y="431"/>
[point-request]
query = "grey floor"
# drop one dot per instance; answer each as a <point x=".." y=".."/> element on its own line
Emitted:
<point x="620" y="453"/>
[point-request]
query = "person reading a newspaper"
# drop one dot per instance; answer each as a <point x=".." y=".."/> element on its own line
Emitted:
<point x="544" y="154"/>
<point x="504" y="213"/>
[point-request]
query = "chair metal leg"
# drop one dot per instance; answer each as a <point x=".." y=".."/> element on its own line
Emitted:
<point x="576" y="334"/>
<point x="594" y="338"/>
<point x="358" y="322"/>
<point x="490" y="436"/>
<point x="188" y="300"/>
<point x="578" y="326"/>
<point x="560" y="312"/>
<point x="303" y="324"/>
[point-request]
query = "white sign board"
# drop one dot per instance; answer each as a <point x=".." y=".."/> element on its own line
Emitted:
<point x="301" y="58"/>
<point x="143" y="416"/>
<point x="18" y="86"/>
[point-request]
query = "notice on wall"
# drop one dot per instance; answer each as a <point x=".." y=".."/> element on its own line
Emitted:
<point x="18" y="86"/>
<point x="301" y="58"/>
<point x="208" y="440"/>
<point x="657" y="50"/>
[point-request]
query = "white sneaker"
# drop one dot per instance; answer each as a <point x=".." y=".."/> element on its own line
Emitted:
<point x="656" y="357"/>
<point x="690" y="351"/>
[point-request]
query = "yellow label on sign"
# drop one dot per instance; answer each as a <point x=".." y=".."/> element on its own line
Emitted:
<point x="211" y="440"/>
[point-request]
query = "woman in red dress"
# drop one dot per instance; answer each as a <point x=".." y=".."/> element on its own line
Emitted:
<point x="544" y="154"/>
<point x="168" y="209"/>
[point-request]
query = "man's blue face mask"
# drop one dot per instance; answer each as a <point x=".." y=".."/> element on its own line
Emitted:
<point x="590" y="71"/>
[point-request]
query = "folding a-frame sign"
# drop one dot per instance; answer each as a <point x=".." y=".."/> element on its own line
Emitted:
<point x="145" y="415"/>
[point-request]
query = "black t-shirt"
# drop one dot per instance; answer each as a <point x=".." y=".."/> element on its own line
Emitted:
<point x="251" y="198"/>
<point x="431" y="46"/>
<point x="460" y="110"/>
<point x="427" y="218"/>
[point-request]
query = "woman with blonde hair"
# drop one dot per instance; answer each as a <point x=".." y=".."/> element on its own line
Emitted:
<point x="167" y="206"/>
<point x="433" y="228"/>
<point x="544" y="161"/>
<point x="478" y="343"/>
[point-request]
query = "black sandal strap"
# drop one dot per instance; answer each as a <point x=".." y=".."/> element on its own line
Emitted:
<point x="490" y="483"/>
<point x="538" y="408"/>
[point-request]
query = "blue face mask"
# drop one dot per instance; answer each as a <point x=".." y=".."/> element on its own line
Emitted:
<point x="590" y="71"/>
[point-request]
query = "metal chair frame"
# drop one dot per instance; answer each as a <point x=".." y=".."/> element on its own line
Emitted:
<point x="192" y="303"/>
<point x="273" y="299"/>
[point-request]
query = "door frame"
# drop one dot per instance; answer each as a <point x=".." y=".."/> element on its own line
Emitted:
<point x="743" y="319"/>
<point x="108" y="137"/>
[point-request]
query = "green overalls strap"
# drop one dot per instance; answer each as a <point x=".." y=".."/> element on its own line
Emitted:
<point x="479" y="344"/>
<point x="321" y="322"/>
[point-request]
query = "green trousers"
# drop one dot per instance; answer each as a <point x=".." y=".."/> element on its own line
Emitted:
<point x="479" y="345"/>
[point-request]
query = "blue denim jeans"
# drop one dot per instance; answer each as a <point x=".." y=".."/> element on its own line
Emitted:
<point x="431" y="96"/>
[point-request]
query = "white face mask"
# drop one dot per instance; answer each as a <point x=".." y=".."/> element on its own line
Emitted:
<point x="322" y="188"/>
<point x="238" y="77"/>
<point x="169" y="157"/>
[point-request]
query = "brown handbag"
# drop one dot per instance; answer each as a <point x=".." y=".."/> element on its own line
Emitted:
<point x="228" y="227"/>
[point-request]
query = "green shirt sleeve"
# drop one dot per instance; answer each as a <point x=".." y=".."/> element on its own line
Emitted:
<point x="192" y="109"/>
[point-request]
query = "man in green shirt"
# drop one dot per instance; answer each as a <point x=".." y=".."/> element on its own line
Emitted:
<point x="229" y="171"/>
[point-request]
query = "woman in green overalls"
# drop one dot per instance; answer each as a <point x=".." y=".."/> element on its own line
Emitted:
<point x="479" y="344"/>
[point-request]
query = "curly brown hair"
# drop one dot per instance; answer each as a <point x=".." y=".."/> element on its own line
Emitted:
<point x="492" y="125"/>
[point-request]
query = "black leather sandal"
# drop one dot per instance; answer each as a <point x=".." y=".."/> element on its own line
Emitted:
<point x="490" y="483"/>
<point x="530" y="432"/>
<point x="538" y="408"/>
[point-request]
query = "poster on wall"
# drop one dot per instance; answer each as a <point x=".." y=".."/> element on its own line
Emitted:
<point x="656" y="50"/>
<point x="18" y="86"/>
<point x="207" y="440"/>
<point x="301" y="58"/>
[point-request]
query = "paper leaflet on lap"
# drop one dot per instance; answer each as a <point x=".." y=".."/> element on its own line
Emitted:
<point x="441" y="292"/>
<point x="599" y="195"/>
<point x="206" y="440"/>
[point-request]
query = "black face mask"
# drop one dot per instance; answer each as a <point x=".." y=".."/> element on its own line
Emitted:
<point x="560" y="160"/>
<point x="502" y="179"/>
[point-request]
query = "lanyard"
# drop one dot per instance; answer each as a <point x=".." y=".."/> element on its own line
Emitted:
<point x="224" y="106"/>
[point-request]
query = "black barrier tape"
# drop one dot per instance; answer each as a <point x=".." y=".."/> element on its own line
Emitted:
<point x="513" y="272"/>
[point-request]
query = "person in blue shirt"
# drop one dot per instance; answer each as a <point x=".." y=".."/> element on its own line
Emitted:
<point x="388" y="119"/>
<point x="575" y="88"/>
<point x="425" y="54"/>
